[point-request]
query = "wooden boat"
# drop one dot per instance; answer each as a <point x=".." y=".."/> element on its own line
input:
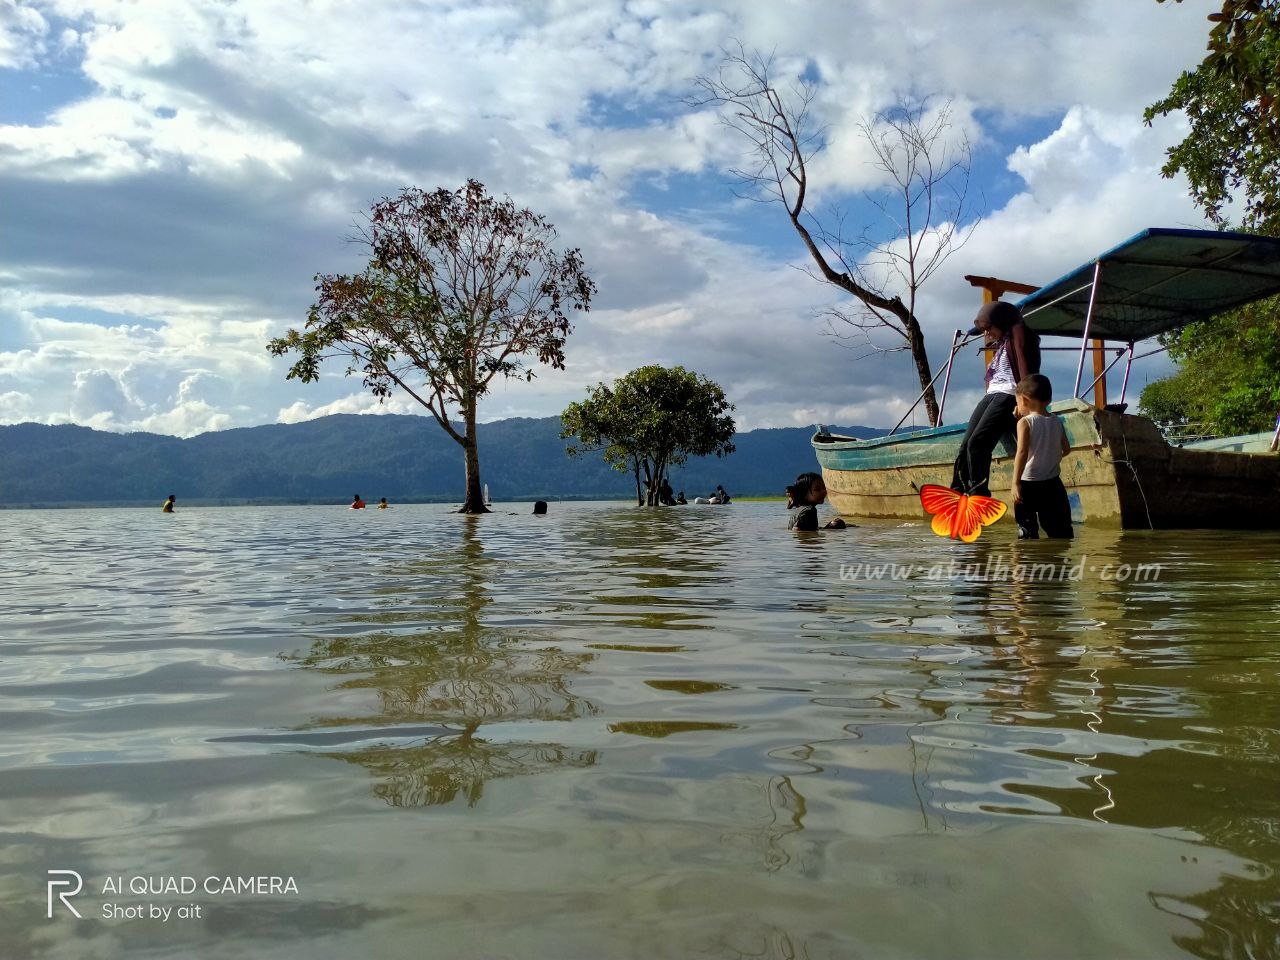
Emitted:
<point x="1121" y="471"/>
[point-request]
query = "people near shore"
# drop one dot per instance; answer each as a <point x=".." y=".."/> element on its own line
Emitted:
<point x="357" y="503"/>
<point x="666" y="496"/>
<point x="382" y="504"/>
<point x="168" y="504"/>
<point x="539" y="507"/>
<point x="1016" y="356"/>
<point x="719" y="495"/>
<point x="1039" y="497"/>
<point x="680" y="500"/>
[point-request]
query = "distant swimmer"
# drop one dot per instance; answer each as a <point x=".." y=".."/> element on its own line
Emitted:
<point x="168" y="504"/>
<point x="382" y="504"/>
<point x="357" y="503"/>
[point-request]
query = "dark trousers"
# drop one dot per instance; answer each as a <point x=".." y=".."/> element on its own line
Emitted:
<point x="992" y="420"/>
<point x="1044" y="501"/>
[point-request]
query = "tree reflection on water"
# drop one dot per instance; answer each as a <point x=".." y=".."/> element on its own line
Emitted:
<point x="455" y="767"/>
<point x="430" y="656"/>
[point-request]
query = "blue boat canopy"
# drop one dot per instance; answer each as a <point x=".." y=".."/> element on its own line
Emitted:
<point x="1157" y="281"/>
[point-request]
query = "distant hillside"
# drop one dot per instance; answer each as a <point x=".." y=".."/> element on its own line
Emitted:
<point x="402" y="458"/>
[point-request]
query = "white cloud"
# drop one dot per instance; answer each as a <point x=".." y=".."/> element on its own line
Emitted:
<point x="300" y="410"/>
<point x="97" y="393"/>
<point x="223" y="151"/>
<point x="17" y="407"/>
<point x="186" y="419"/>
<point x="22" y="35"/>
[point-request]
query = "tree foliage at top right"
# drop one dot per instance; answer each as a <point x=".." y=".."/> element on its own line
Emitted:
<point x="1227" y="379"/>
<point x="1232" y="102"/>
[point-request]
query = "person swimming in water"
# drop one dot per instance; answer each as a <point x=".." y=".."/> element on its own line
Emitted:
<point x="803" y="498"/>
<point x="357" y="503"/>
<point x="168" y="504"/>
<point x="382" y="504"/>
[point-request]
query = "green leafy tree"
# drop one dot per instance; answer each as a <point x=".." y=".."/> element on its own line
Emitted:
<point x="460" y="288"/>
<point x="1232" y="102"/>
<point x="1228" y="380"/>
<point x="652" y="419"/>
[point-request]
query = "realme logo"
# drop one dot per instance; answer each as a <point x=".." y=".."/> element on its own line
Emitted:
<point x="66" y="878"/>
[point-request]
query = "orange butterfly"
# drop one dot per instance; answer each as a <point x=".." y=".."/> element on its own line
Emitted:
<point x="958" y="515"/>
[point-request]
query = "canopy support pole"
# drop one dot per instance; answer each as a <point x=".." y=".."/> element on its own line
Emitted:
<point x="946" y="381"/>
<point x="910" y="409"/>
<point x="1102" y="373"/>
<point x="1124" y="384"/>
<point x="1088" y="320"/>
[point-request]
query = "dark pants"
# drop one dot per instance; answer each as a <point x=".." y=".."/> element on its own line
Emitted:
<point x="1045" y="501"/>
<point x="992" y="420"/>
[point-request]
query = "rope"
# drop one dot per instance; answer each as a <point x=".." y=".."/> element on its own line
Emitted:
<point x="1136" y="479"/>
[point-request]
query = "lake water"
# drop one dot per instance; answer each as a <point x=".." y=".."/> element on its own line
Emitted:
<point x="614" y="732"/>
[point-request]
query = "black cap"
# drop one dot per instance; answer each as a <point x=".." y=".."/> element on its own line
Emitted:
<point x="999" y="313"/>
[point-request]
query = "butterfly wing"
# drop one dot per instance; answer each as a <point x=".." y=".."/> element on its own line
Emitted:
<point x="942" y="502"/>
<point x="974" y="513"/>
<point x="958" y="516"/>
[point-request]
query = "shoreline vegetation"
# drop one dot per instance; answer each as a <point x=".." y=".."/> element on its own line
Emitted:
<point x="193" y="503"/>
<point x="196" y="502"/>
<point x="400" y="457"/>
<point x="187" y="503"/>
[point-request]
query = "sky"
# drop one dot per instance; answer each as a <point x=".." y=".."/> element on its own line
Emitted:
<point x="174" y="173"/>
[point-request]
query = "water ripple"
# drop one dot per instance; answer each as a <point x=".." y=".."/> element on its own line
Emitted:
<point x="684" y="700"/>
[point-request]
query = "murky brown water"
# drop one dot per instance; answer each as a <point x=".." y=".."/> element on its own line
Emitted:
<point x="612" y="732"/>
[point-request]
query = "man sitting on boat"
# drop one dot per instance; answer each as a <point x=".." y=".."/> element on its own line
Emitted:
<point x="1017" y="355"/>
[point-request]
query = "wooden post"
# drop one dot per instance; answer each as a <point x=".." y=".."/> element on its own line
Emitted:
<point x="1099" y="364"/>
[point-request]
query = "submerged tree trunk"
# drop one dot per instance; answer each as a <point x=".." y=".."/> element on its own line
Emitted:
<point x="919" y="354"/>
<point x="655" y="485"/>
<point x="474" y="502"/>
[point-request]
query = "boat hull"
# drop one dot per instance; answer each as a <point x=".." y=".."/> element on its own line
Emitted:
<point x="1120" y="472"/>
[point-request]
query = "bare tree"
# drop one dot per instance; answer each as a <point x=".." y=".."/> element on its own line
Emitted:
<point x="924" y="202"/>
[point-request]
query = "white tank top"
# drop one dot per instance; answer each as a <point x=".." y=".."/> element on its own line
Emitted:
<point x="1044" y="439"/>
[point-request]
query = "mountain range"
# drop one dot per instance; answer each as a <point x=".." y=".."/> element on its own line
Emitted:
<point x="327" y="460"/>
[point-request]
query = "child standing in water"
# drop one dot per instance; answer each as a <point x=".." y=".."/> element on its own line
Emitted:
<point x="1039" y="498"/>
